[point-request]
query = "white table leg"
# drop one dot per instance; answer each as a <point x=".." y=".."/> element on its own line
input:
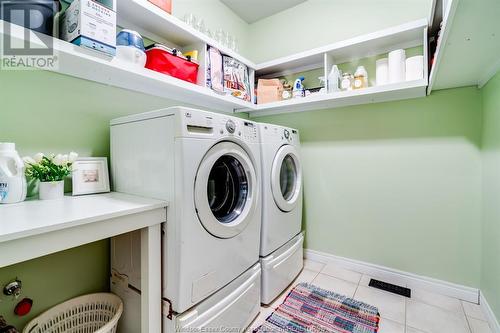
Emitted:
<point x="151" y="279"/>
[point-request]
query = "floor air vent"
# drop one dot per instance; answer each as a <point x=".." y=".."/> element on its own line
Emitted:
<point x="392" y="288"/>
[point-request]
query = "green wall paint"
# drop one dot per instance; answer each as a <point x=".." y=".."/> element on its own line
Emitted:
<point x="490" y="278"/>
<point x="311" y="24"/>
<point x="215" y="15"/>
<point x="55" y="278"/>
<point x="315" y="23"/>
<point x="396" y="184"/>
<point x="61" y="114"/>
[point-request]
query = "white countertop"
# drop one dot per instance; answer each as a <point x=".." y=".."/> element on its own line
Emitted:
<point x="36" y="228"/>
<point x="35" y="217"/>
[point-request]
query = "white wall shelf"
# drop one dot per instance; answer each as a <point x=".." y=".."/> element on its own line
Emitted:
<point x="402" y="36"/>
<point x="153" y="22"/>
<point x="447" y="17"/>
<point x="389" y="92"/>
<point x="468" y="52"/>
<point x="91" y="65"/>
<point x="35" y="228"/>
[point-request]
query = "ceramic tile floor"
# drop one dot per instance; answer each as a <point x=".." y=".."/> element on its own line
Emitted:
<point x="425" y="312"/>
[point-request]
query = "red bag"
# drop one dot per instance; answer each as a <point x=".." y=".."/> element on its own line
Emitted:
<point x="164" y="60"/>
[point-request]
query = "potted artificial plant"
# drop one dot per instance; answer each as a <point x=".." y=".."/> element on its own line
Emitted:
<point x="50" y="171"/>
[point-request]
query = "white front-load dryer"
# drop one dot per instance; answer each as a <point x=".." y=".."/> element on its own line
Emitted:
<point x="207" y="166"/>
<point x="281" y="245"/>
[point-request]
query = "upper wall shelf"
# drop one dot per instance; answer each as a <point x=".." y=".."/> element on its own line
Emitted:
<point x="153" y="22"/>
<point x="375" y="43"/>
<point x="469" y="51"/>
<point x="90" y="65"/>
<point x="404" y="36"/>
<point x="385" y="93"/>
<point x="447" y="20"/>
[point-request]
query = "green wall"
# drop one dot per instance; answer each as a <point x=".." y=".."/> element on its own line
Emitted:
<point x="316" y="23"/>
<point x="311" y="24"/>
<point x="396" y="184"/>
<point x="490" y="279"/>
<point x="55" y="278"/>
<point x="47" y="112"/>
<point x="215" y="15"/>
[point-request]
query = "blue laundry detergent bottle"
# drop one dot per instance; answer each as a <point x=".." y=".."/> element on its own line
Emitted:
<point x="298" y="88"/>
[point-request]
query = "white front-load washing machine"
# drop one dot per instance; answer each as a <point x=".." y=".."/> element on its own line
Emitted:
<point x="281" y="245"/>
<point x="207" y="166"/>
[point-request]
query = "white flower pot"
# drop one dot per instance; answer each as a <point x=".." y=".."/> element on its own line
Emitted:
<point x="51" y="190"/>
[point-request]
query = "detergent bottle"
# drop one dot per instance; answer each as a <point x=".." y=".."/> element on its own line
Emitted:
<point x="333" y="79"/>
<point x="12" y="180"/>
<point x="298" y="88"/>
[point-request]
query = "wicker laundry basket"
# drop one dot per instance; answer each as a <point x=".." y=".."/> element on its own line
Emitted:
<point x="94" y="313"/>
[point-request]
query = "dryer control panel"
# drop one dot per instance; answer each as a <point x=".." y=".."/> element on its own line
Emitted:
<point x="278" y="134"/>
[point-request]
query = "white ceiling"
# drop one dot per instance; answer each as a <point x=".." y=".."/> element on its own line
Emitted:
<point x="472" y="51"/>
<point x="254" y="10"/>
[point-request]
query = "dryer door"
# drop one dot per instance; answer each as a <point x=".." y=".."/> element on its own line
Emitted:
<point x="225" y="190"/>
<point x="286" y="178"/>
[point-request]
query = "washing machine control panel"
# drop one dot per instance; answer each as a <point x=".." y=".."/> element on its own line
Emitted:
<point x="250" y="131"/>
<point x="286" y="134"/>
<point x="240" y="128"/>
<point x="230" y="126"/>
<point x="207" y="124"/>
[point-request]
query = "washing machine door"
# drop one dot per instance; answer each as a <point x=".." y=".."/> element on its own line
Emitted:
<point x="225" y="190"/>
<point x="286" y="178"/>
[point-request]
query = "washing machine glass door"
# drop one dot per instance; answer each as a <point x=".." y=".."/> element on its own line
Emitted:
<point x="286" y="178"/>
<point x="225" y="188"/>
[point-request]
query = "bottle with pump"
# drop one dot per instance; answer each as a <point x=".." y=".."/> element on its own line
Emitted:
<point x="12" y="180"/>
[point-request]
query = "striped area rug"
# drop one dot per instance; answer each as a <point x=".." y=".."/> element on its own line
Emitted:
<point x="311" y="309"/>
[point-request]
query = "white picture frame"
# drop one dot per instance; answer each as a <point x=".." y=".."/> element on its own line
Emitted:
<point x="90" y="175"/>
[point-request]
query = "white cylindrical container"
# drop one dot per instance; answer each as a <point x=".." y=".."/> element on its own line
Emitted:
<point x="397" y="66"/>
<point x="12" y="180"/>
<point x="51" y="190"/>
<point x="382" y="72"/>
<point x="415" y="68"/>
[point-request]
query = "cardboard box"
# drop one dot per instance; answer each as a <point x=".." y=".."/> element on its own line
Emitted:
<point x="269" y="91"/>
<point x="90" y="24"/>
<point x="166" y="5"/>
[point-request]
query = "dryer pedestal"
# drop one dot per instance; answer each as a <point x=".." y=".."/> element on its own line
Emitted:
<point x="281" y="267"/>
<point x="231" y="309"/>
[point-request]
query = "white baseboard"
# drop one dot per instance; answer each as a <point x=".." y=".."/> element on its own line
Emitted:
<point x="492" y="319"/>
<point x="411" y="280"/>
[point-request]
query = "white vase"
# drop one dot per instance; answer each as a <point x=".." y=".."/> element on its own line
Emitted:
<point x="51" y="190"/>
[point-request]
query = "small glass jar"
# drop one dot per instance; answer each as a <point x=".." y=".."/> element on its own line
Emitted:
<point x="347" y="81"/>
<point x="287" y="91"/>
<point x="360" y="78"/>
